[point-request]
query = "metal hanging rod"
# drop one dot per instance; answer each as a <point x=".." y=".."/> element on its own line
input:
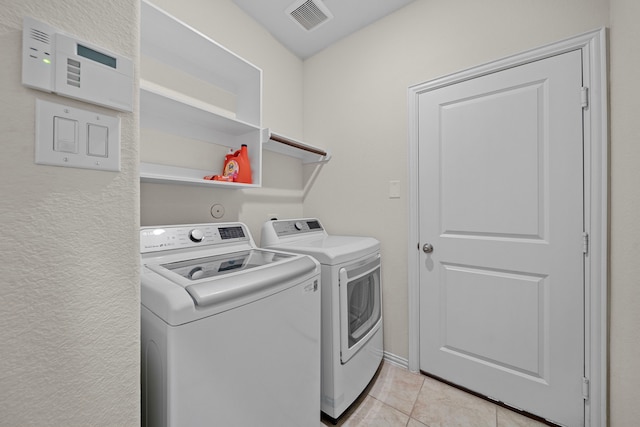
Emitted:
<point x="296" y="144"/>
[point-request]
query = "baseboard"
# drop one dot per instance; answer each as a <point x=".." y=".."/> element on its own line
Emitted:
<point x="395" y="360"/>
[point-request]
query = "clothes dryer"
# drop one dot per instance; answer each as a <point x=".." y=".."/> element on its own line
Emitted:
<point x="351" y="293"/>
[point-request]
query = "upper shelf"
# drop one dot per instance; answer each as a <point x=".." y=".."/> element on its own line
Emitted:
<point x="169" y="40"/>
<point x="291" y="147"/>
<point x="173" y="112"/>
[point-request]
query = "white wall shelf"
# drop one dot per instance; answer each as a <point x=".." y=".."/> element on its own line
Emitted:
<point x="167" y="39"/>
<point x="174" y="43"/>
<point x="169" y="111"/>
<point x="152" y="172"/>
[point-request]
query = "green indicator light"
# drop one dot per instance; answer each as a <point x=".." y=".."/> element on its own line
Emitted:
<point x="46" y="61"/>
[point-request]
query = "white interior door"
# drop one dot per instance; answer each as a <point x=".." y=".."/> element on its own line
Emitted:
<point x="501" y="202"/>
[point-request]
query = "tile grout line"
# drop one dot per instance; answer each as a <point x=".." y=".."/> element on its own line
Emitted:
<point x="415" y="401"/>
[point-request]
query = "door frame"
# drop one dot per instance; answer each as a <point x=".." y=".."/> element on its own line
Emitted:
<point x="596" y="161"/>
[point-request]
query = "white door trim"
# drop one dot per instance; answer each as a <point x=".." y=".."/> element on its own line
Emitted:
<point x="594" y="60"/>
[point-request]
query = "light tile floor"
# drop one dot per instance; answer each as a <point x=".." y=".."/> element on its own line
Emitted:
<point x="399" y="398"/>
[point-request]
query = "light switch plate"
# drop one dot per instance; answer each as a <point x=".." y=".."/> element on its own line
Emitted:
<point x="90" y="153"/>
<point x="394" y="189"/>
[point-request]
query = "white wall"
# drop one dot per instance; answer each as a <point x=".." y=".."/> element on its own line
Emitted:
<point x="283" y="176"/>
<point x="355" y="104"/>
<point x="69" y="353"/>
<point x="625" y="209"/>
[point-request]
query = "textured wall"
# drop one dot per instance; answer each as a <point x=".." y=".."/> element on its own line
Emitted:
<point x="69" y="254"/>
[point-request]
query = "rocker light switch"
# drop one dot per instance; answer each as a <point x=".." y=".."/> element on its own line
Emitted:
<point x="65" y="135"/>
<point x="77" y="138"/>
<point x="98" y="140"/>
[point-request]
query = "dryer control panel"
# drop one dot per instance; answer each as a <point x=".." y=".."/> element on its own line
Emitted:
<point x="297" y="226"/>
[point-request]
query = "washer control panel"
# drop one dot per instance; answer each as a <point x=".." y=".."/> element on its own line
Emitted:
<point x="153" y="239"/>
<point x="297" y="226"/>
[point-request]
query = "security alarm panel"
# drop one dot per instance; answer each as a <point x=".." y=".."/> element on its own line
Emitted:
<point x="60" y="63"/>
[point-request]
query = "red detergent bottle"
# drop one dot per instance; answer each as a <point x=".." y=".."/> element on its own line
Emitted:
<point x="237" y="167"/>
<point x="243" y="165"/>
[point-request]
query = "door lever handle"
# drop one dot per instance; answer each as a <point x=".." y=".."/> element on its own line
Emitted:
<point x="427" y="248"/>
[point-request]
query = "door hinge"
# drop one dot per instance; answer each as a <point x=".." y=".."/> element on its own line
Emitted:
<point x="585" y="388"/>
<point x="584" y="97"/>
<point x="585" y="242"/>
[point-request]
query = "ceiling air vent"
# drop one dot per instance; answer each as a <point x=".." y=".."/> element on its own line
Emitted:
<point x="310" y="14"/>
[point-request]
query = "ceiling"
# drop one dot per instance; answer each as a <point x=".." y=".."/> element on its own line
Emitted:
<point x="348" y="17"/>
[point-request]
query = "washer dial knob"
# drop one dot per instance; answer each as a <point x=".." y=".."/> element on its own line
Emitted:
<point x="196" y="273"/>
<point x="298" y="225"/>
<point x="196" y="235"/>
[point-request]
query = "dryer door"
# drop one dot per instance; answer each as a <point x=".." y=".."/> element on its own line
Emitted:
<point x="360" y="305"/>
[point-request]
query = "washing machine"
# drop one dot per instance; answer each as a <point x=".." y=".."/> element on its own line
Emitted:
<point x="352" y="346"/>
<point x="230" y="333"/>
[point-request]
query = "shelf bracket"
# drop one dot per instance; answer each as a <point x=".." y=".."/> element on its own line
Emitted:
<point x="291" y="147"/>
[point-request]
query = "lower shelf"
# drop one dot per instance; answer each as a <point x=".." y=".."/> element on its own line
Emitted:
<point x="151" y="172"/>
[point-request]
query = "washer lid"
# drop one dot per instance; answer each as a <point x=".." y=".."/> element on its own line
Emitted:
<point x="221" y="279"/>
<point x="219" y="265"/>
<point x="331" y="249"/>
